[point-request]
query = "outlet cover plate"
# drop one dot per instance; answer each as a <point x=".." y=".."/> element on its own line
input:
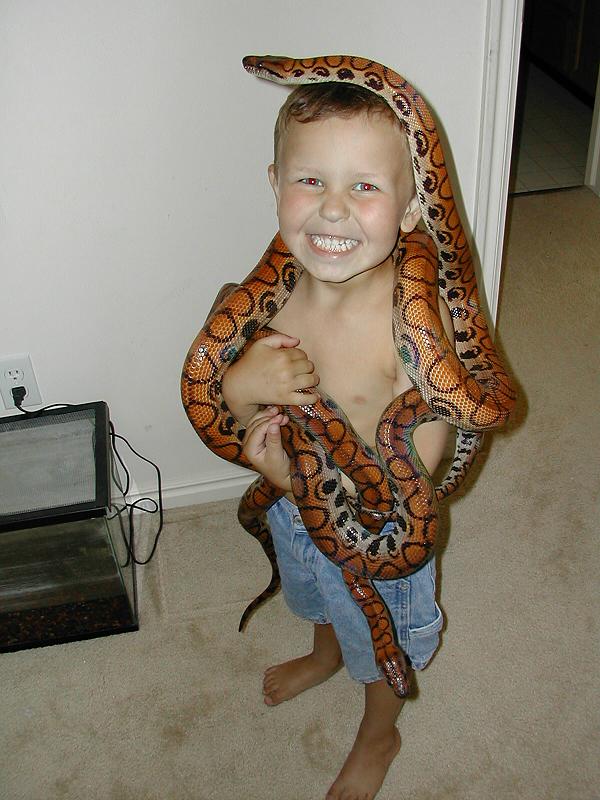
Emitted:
<point x="22" y="375"/>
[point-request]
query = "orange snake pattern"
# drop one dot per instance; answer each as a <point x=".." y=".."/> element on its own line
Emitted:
<point x="466" y="385"/>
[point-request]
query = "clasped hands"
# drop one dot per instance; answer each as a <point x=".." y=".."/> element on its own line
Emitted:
<point x="268" y="375"/>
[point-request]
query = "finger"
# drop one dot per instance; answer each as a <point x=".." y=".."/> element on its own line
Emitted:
<point x="298" y="362"/>
<point x="255" y="431"/>
<point x="305" y="381"/>
<point x="254" y="441"/>
<point x="261" y="425"/>
<point x="264" y="413"/>
<point x="303" y="399"/>
<point x="277" y="340"/>
<point x="273" y="443"/>
<point x="299" y="375"/>
<point x="273" y="434"/>
<point x="294" y="354"/>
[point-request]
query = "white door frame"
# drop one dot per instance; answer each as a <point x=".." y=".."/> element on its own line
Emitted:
<point x="499" y="94"/>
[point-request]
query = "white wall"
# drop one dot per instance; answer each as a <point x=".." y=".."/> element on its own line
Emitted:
<point x="133" y="150"/>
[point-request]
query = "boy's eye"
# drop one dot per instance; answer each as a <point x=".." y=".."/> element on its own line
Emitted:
<point x="366" y="187"/>
<point x="310" y="181"/>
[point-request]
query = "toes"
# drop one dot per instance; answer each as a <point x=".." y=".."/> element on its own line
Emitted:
<point x="272" y="698"/>
<point x="271" y="687"/>
<point x="270" y="684"/>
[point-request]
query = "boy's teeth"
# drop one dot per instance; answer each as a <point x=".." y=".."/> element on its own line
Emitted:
<point x="333" y="244"/>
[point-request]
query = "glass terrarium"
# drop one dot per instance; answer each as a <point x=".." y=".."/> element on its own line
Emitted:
<point x="64" y="567"/>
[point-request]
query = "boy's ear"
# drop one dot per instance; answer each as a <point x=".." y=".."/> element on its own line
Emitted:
<point x="272" y="173"/>
<point x="411" y="215"/>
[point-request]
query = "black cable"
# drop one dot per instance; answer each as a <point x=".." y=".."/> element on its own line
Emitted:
<point x="19" y="396"/>
<point x="115" y="472"/>
<point x="131" y="507"/>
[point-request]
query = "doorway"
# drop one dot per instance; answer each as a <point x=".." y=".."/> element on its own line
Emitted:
<point x="556" y="88"/>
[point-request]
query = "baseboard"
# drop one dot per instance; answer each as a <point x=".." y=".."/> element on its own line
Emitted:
<point x="191" y="494"/>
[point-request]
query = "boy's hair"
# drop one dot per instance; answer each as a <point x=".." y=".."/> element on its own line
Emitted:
<point x="317" y="101"/>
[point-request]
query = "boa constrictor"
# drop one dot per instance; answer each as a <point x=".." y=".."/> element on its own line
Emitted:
<point x="465" y="385"/>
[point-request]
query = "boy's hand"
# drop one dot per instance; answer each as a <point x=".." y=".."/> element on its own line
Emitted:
<point x="272" y="371"/>
<point x="263" y="448"/>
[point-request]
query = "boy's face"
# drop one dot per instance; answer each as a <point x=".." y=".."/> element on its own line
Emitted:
<point x="344" y="188"/>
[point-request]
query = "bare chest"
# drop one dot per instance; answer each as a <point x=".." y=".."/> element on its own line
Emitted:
<point x="354" y="357"/>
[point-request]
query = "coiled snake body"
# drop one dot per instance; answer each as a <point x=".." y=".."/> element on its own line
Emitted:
<point x="467" y="386"/>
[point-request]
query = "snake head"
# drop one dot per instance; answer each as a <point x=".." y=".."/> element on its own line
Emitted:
<point x="283" y="69"/>
<point x="278" y="68"/>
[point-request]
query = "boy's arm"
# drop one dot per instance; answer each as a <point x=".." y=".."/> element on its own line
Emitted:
<point x="430" y="443"/>
<point x="270" y="372"/>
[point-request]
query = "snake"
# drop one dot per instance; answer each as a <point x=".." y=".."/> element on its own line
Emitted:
<point x="463" y="383"/>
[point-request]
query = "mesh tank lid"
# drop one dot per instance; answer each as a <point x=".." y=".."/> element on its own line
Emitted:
<point x="54" y="467"/>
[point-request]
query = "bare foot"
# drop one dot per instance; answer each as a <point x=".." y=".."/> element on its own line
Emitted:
<point x="365" y="768"/>
<point x="284" y="681"/>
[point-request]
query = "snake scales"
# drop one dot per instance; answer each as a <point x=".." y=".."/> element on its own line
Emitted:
<point x="465" y="385"/>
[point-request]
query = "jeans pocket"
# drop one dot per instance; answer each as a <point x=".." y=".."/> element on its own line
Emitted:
<point x="423" y="642"/>
<point x="301" y="544"/>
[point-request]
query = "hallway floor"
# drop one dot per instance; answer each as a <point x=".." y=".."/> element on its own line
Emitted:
<point x="552" y="132"/>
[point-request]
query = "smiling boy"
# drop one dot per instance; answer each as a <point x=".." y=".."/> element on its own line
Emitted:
<point x="344" y="187"/>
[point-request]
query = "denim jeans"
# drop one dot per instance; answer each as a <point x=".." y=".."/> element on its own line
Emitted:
<point x="314" y="589"/>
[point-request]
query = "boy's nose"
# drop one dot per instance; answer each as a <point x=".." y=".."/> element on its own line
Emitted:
<point x="334" y="206"/>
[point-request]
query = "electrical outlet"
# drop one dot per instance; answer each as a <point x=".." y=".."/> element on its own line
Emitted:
<point x="17" y="371"/>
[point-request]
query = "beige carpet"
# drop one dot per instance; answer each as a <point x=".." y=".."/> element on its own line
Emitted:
<point x="507" y="709"/>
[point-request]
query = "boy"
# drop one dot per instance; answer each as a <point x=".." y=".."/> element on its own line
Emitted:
<point x="344" y="187"/>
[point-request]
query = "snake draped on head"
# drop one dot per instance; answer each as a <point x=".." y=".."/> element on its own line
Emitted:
<point x="465" y="385"/>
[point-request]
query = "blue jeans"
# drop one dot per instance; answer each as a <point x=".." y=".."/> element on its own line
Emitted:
<point x="314" y="589"/>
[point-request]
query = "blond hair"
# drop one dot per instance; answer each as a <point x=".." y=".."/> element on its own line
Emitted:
<point x="317" y="101"/>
